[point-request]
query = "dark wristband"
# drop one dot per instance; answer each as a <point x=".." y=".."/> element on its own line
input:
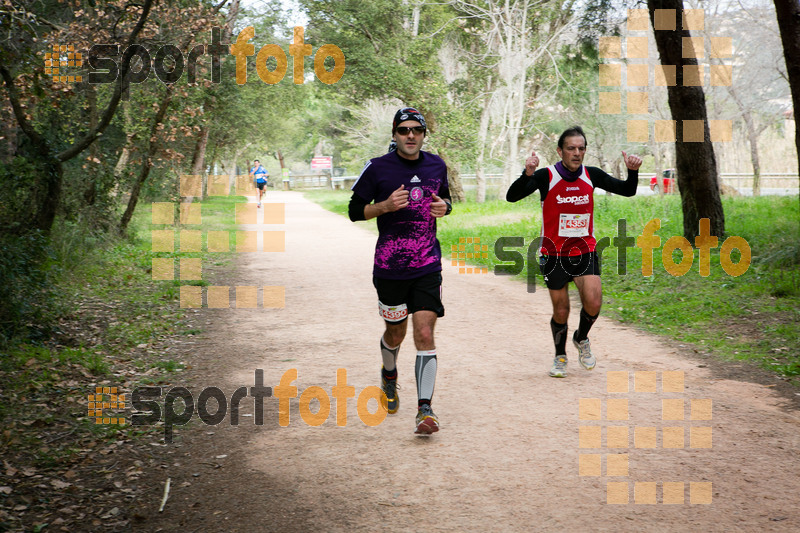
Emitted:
<point x="449" y="208"/>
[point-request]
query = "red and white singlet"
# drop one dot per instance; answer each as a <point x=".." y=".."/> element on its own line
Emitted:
<point x="568" y="215"/>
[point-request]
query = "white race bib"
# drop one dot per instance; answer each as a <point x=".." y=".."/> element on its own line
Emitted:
<point x="392" y="313"/>
<point x="573" y="225"/>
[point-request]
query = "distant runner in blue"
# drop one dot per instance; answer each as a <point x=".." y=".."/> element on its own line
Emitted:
<point x="407" y="191"/>
<point x="260" y="176"/>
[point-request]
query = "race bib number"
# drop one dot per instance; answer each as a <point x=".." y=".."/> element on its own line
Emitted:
<point x="392" y="313"/>
<point x="573" y="225"/>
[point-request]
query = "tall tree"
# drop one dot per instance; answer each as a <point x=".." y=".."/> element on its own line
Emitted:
<point x="695" y="162"/>
<point x="788" y="13"/>
<point x="48" y="155"/>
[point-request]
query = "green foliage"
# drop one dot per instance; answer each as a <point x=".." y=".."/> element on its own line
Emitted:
<point x="26" y="286"/>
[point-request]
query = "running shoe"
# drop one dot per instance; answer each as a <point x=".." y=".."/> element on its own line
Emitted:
<point x="389" y="387"/>
<point x="559" y="369"/>
<point x="427" y="422"/>
<point x="585" y="357"/>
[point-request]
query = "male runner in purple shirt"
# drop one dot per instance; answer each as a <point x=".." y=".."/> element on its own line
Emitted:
<point x="407" y="190"/>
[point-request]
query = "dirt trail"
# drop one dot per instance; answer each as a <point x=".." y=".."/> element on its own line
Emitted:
<point x="507" y="456"/>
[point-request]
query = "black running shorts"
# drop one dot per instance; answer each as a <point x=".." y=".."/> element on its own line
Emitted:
<point x="560" y="270"/>
<point x="261" y="185"/>
<point x="419" y="294"/>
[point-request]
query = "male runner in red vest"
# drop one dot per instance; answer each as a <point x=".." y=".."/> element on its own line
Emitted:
<point x="568" y="243"/>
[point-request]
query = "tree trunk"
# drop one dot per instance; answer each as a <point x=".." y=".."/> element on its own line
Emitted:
<point x="788" y="13"/>
<point x="483" y="130"/>
<point x="657" y="162"/>
<point x="752" y="137"/>
<point x="90" y="192"/>
<point x="199" y="157"/>
<point x="453" y="178"/>
<point x="695" y="161"/>
<point x="147" y="164"/>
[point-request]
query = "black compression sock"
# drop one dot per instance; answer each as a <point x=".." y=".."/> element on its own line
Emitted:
<point x="559" y="336"/>
<point x="586" y="323"/>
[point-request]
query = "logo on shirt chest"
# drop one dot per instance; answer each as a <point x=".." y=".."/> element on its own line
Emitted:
<point x="416" y="194"/>
<point x="575" y="200"/>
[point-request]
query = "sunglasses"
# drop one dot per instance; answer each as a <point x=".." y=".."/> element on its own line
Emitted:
<point x="403" y="130"/>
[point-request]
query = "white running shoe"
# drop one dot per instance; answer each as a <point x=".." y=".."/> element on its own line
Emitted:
<point x="585" y="357"/>
<point x="559" y="369"/>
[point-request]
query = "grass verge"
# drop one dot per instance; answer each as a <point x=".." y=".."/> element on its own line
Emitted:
<point x="753" y="316"/>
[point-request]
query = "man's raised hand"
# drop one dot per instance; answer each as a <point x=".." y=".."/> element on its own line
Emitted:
<point x="531" y="163"/>
<point x="438" y="207"/>
<point x="397" y="200"/>
<point x="633" y="162"/>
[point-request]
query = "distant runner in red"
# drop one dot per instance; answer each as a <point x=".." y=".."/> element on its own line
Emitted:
<point x="568" y="242"/>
